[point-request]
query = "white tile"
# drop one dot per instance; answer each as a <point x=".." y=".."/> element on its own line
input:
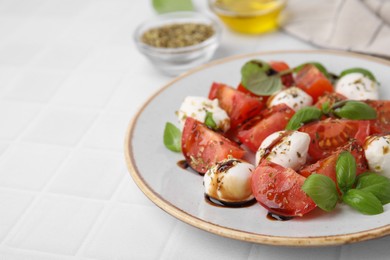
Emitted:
<point x="88" y="33"/>
<point x="89" y="173"/>
<point x="108" y="132"/>
<point x="36" y="86"/>
<point x="12" y="205"/>
<point x="187" y="242"/>
<point x="87" y="89"/>
<point x="18" y="54"/>
<point x="294" y="253"/>
<point x="106" y="10"/>
<point x="14" y="117"/>
<point x="21" y="7"/>
<point x="56" y="225"/>
<point x="39" y="164"/>
<point x="3" y="147"/>
<point x="130" y="193"/>
<point x="61" y="56"/>
<point x="39" y="31"/>
<point x="111" y="58"/>
<point x="124" y="99"/>
<point x="8" y="74"/>
<point x="130" y="232"/>
<point x="61" y="126"/>
<point x="9" y="24"/>
<point x="18" y="254"/>
<point x="377" y="249"/>
<point x="62" y="9"/>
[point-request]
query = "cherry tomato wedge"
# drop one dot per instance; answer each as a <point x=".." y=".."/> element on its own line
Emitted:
<point x="202" y="147"/>
<point x="278" y="189"/>
<point x="271" y="120"/>
<point x="381" y="125"/>
<point x="279" y="66"/>
<point x="330" y="134"/>
<point x="311" y="80"/>
<point x="238" y="105"/>
<point x="327" y="166"/>
<point x="329" y="98"/>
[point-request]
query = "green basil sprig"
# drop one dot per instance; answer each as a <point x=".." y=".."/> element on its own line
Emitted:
<point x="364" y="202"/>
<point x="209" y="121"/>
<point x="355" y="110"/>
<point x="365" y="72"/>
<point x="322" y="190"/>
<point x="303" y="115"/>
<point x="371" y="191"/>
<point x="255" y="76"/>
<point x="172" y="137"/>
<point x="376" y="184"/>
<point x="345" y="171"/>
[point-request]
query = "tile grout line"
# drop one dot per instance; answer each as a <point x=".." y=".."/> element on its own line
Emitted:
<point x="99" y="220"/>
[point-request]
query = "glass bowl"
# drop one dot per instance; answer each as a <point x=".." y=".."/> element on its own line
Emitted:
<point x="249" y="16"/>
<point x="174" y="61"/>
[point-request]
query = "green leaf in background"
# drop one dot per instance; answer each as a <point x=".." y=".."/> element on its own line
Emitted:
<point x="325" y="107"/>
<point x="363" y="201"/>
<point x="377" y="184"/>
<point x="209" y="121"/>
<point x="355" y="110"/>
<point x="322" y="190"/>
<point x="165" y="6"/>
<point x="303" y="115"/>
<point x="172" y="137"/>
<point x="255" y="78"/>
<point x="345" y="171"/>
<point x="365" y="72"/>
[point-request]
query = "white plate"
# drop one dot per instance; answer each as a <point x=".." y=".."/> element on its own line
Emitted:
<point x="180" y="192"/>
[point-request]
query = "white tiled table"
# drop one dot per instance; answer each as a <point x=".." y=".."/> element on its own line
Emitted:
<point x="70" y="81"/>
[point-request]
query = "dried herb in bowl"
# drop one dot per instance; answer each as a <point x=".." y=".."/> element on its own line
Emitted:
<point x="177" y="35"/>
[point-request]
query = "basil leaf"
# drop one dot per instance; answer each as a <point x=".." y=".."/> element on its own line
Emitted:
<point x="363" y="201"/>
<point x="377" y="184"/>
<point x="355" y="110"/>
<point x="365" y="72"/>
<point x="325" y="107"/>
<point x="209" y="121"/>
<point x="345" y="171"/>
<point x="255" y="78"/>
<point x="302" y="116"/>
<point x="165" y="6"/>
<point x="172" y="137"/>
<point x="322" y="190"/>
<point x="318" y="65"/>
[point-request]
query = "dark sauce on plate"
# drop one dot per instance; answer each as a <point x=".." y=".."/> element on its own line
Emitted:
<point x="276" y="217"/>
<point x="223" y="204"/>
<point x="183" y="164"/>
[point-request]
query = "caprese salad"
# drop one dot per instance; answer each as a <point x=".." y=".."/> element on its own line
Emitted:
<point x="317" y="139"/>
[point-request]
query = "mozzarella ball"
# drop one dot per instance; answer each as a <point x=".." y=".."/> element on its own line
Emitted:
<point x="293" y="97"/>
<point x="377" y="151"/>
<point x="356" y="86"/>
<point x="197" y="108"/>
<point x="229" y="181"/>
<point x="286" y="148"/>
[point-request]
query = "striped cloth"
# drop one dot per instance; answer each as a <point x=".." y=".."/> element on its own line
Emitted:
<point x="355" y="25"/>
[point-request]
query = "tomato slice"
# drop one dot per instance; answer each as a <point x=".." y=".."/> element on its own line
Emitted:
<point x="238" y="105"/>
<point x="331" y="98"/>
<point x="279" y="66"/>
<point x="278" y="189"/>
<point x="202" y="147"/>
<point x="311" y="80"/>
<point x="381" y="125"/>
<point x="330" y="134"/>
<point x="327" y="166"/>
<point x="257" y="129"/>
